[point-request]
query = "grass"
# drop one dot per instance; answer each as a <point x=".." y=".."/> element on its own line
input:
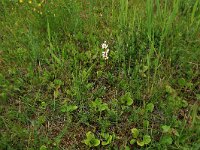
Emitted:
<point x="57" y="91"/>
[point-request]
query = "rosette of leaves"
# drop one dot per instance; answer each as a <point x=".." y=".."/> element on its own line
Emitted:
<point x="145" y="140"/>
<point x="126" y="99"/>
<point x="90" y="140"/>
<point x="98" y="105"/>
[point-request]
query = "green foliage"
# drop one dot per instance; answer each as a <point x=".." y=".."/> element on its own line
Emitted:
<point x="166" y="129"/>
<point x="55" y="84"/>
<point x="135" y="133"/>
<point x="43" y="147"/>
<point x="140" y="143"/>
<point x="150" y="107"/>
<point x="90" y="140"/>
<point x="99" y="105"/>
<point x="68" y="108"/>
<point x="107" y="138"/>
<point x="146" y="139"/>
<point x="126" y="99"/>
<point x="166" y="140"/>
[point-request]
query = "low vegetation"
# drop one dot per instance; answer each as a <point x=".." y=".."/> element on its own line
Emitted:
<point x="92" y="74"/>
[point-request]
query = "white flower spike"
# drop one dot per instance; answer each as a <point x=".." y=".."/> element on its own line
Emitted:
<point x="104" y="45"/>
<point x="106" y="50"/>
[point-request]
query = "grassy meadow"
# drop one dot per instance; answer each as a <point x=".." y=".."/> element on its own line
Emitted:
<point x="105" y="75"/>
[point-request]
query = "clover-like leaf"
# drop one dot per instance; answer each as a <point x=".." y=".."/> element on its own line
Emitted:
<point x="99" y="105"/>
<point x="90" y="140"/>
<point x="95" y="142"/>
<point x="126" y="99"/>
<point x="135" y="132"/>
<point x="146" y="139"/>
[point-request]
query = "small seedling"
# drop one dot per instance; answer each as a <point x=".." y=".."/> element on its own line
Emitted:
<point x="90" y="140"/>
<point x="98" y="105"/>
<point x="107" y="138"/>
<point x="68" y="108"/>
<point x="150" y="107"/>
<point x="166" y="140"/>
<point x="146" y="138"/>
<point x="167" y="131"/>
<point x="43" y="105"/>
<point x="135" y="132"/>
<point x="126" y="99"/>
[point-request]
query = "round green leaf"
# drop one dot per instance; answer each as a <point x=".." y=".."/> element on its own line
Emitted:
<point x="90" y="135"/>
<point x="166" y="140"/>
<point x="135" y="132"/>
<point x="146" y="139"/>
<point x="150" y="107"/>
<point x="129" y="101"/>
<point x="126" y="99"/>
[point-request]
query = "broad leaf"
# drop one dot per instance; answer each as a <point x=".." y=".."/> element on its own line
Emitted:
<point x="135" y="132"/>
<point x="103" y="107"/>
<point x="140" y="143"/>
<point x="166" y="140"/>
<point x="90" y="135"/>
<point x="107" y="137"/>
<point x="166" y="128"/>
<point x="126" y="99"/>
<point x="132" y="141"/>
<point x="146" y="139"/>
<point x="129" y="101"/>
<point x="150" y="107"/>
<point x="95" y="142"/>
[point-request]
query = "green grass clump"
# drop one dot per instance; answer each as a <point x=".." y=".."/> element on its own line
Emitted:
<point x="58" y="92"/>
